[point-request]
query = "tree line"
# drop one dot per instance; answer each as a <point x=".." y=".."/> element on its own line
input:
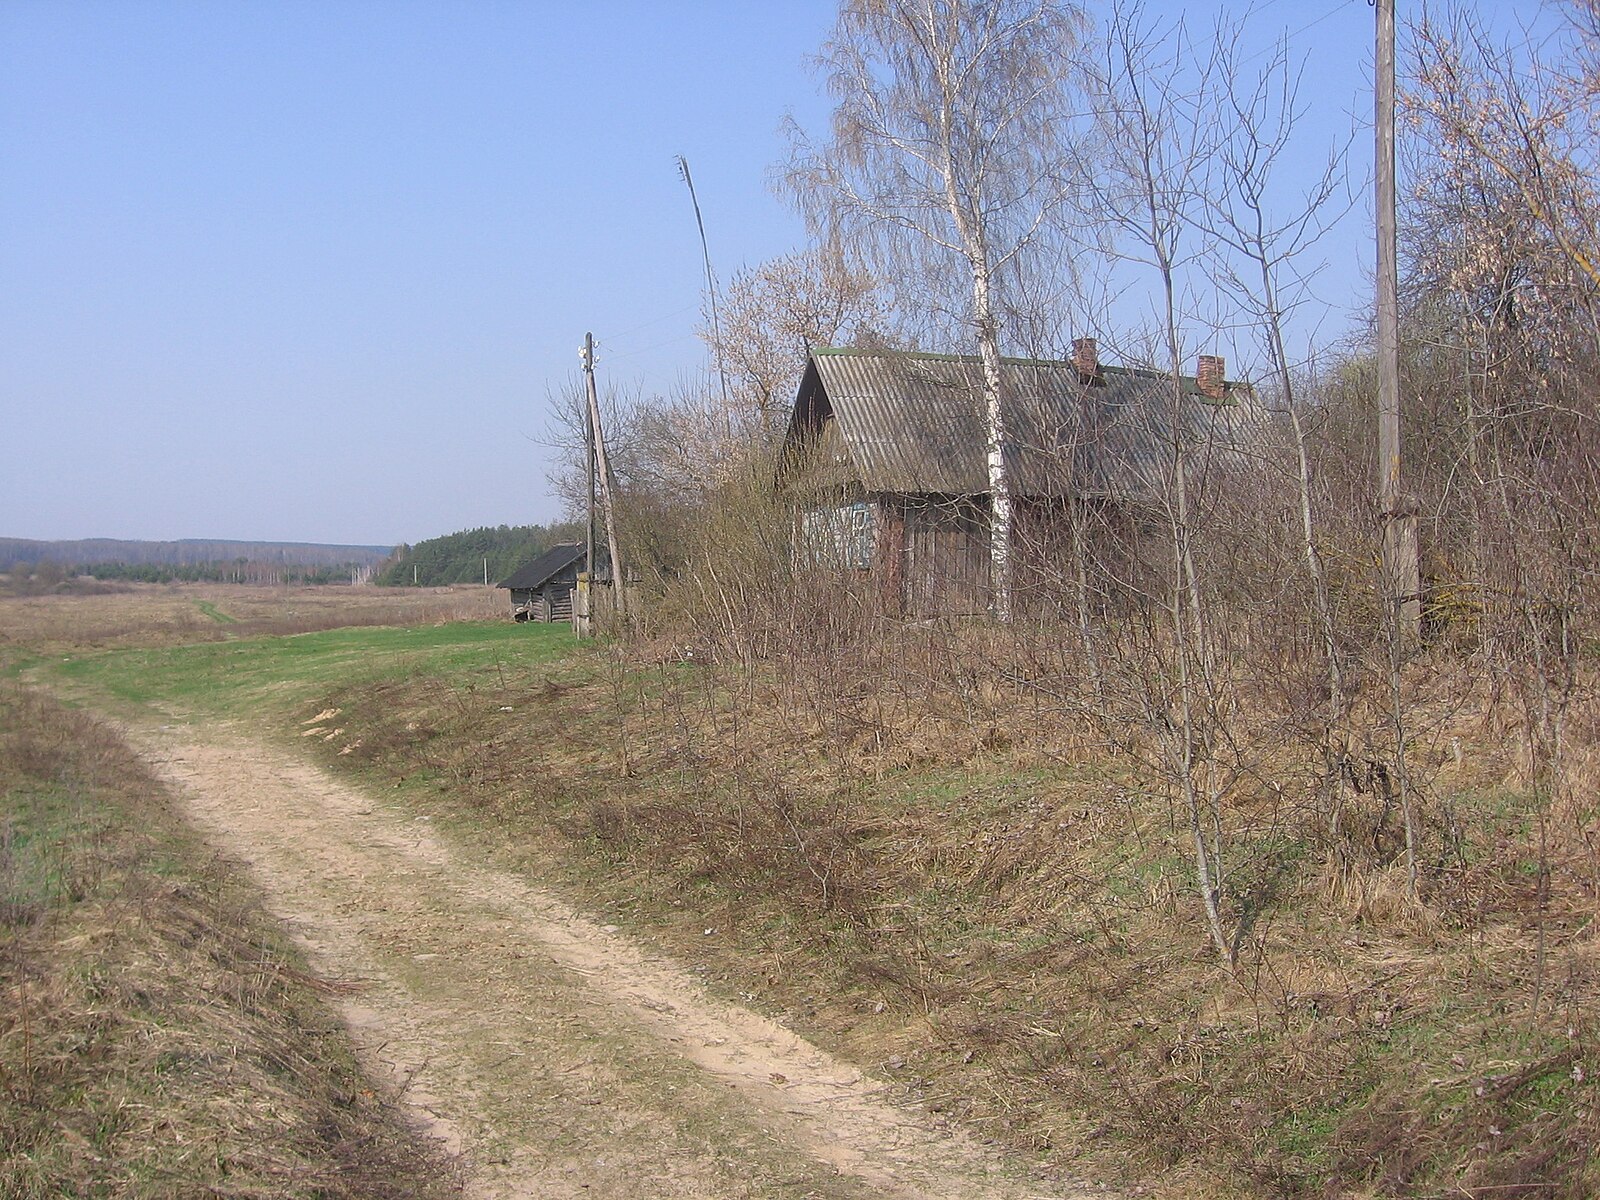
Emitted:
<point x="241" y="570"/>
<point x="25" y="552"/>
<point x="466" y="556"/>
<point x="48" y="575"/>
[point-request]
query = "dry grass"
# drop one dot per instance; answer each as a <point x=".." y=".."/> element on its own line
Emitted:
<point x="172" y="614"/>
<point x="158" y="1037"/>
<point x="920" y="853"/>
<point x="926" y="845"/>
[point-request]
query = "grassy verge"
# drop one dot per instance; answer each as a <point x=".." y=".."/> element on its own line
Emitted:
<point x="1004" y="921"/>
<point x="948" y="883"/>
<point x="157" y="1035"/>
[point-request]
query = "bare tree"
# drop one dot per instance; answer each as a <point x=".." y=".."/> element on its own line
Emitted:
<point x="1149" y="182"/>
<point x="1535" y="120"/>
<point x="1506" y="267"/>
<point x="772" y="313"/>
<point x="1263" y="244"/>
<point x="949" y="119"/>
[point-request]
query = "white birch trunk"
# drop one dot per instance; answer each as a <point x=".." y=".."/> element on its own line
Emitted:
<point x="974" y="240"/>
<point x="1000" y="510"/>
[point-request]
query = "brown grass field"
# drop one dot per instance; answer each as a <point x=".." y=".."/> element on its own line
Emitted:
<point x="945" y="875"/>
<point x="154" y="614"/>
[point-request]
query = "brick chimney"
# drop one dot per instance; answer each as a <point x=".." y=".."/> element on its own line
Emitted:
<point x="1208" y="376"/>
<point x="1086" y="357"/>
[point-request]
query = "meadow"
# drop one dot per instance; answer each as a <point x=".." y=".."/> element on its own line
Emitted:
<point x="958" y="888"/>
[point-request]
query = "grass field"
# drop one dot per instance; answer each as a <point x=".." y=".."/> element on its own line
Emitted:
<point x="143" y="615"/>
<point x="240" y="677"/>
<point x="219" y="648"/>
<point x="957" y="891"/>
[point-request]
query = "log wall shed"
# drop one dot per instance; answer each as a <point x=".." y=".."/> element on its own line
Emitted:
<point x="889" y="450"/>
<point x="542" y="590"/>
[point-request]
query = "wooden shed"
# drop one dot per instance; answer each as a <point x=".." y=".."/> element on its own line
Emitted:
<point x="542" y="590"/>
<point x="891" y="448"/>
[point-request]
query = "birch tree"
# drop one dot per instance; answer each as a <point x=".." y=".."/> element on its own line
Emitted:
<point x="946" y="139"/>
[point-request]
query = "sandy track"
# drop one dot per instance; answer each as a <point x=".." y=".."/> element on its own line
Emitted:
<point x="558" y="1056"/>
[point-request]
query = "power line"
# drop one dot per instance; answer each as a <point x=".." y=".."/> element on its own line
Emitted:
<point x="677" y="312"/>
<point x="1289" y="37"/>
<point x="711" y="282"/>
<point x="674" y="340"/>
<point x="1312" y="25"/>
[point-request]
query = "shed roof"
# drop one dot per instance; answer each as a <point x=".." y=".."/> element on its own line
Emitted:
<point x="914" y="423"/>
<point x="549" y="564"/>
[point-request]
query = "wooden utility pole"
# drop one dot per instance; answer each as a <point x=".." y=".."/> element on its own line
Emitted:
<point x="1396" y="511"/>
<point x="602" y="469"/>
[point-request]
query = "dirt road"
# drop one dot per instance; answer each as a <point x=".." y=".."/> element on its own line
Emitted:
<point x="558" y="1056"/>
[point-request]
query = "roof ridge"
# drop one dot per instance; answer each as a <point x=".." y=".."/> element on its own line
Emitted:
<point x="1189" y="383"/>
<point x="934" y="356"/>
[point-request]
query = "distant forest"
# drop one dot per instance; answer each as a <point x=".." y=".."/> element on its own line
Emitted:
<point x="46" y="564"/>
<point x="454" y="558"/>
<point x="461" y="557"/>
<point x="237" y="571"/>
<point x="189" y="552"/>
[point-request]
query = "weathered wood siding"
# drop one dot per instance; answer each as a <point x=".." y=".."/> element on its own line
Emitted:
<point x="889" y="555"/>
<point x="556" y="597"/>
<point x="551" y="601"/>
<point x="945" y="560"/>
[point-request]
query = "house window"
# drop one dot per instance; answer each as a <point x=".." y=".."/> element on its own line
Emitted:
<point x="840" y="536"/>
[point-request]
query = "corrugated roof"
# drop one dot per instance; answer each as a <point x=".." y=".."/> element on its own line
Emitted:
<point x="552" y="562"/>
<point x="915" y="423"/>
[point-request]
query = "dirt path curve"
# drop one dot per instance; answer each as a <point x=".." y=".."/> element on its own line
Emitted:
<point x="561" y="1058"/>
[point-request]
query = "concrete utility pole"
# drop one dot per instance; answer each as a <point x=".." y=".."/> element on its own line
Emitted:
<point x="1396" y="511"/>
<point x="711" y="286"/>
<point x="600" y="467"/>
<point x="587" y="355"/>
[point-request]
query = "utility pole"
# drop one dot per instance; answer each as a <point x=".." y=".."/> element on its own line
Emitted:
<point x="587" y="354"/>
<point x="1396" y="511"/>
<point x="601" y="468"/>
<point x="711" y="287"/>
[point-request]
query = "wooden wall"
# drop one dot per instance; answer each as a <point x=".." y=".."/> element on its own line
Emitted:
<point x="551" y="601"/>
<point x="943" y="560"/>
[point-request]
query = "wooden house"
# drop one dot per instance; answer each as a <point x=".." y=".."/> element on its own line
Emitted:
<point x="542" y="590"/>
<point x="890" y="450"/>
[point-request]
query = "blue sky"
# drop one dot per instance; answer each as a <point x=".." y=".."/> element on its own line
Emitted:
<point x="308" y="271"/>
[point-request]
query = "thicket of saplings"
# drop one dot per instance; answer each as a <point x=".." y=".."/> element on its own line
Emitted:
<point x="1370" y="850"/>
